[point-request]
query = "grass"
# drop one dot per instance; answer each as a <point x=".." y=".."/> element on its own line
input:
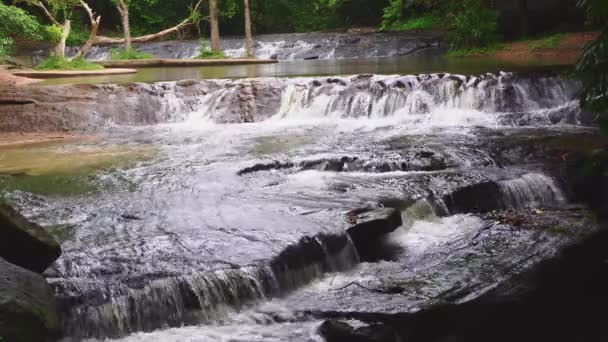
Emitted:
<point x="550" y="42"/>
<point x="466" y="52"/>
<point x="205" y="51"/>
<point x="122" y="54"/>
<point x="426" y="22"/>
<point x="58" y="63"/>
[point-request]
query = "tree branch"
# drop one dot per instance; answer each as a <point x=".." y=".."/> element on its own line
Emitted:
<point x="47" y="13"/>
<point x="102" y="40"/>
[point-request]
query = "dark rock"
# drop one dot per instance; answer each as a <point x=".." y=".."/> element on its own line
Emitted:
<point x="24" y="243"/>
<point x="476" y="198"/>
<point x="370" y="227"/>
<point x="337" y="331"/>
<point x="27" y="308"/>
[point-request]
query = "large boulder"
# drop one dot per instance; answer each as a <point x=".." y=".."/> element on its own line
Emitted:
<point x="27" y="308"/>
<point x="24" y="243"/>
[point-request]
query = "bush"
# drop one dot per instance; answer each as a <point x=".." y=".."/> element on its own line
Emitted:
<point x="425" y="22"/>
<point x="57" y="63"/>
<point x="205" y="51"/>
<point x="122" y="54"/>
<point x="471" y="24"/>
<point x="6" y="47"/>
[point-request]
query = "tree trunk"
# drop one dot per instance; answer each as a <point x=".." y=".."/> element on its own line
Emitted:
<point x="215" y="29"/>
<point x="248" y="35"/>
<point x="60" y="47"/>
<point x="89" y="43"/>
<point x="524" y="18"/>
<point x="123" y="9"/>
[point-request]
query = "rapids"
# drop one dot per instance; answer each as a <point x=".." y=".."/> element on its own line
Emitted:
<point x="236" y="228"/>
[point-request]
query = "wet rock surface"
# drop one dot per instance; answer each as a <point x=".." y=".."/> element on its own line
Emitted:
<point x="226" y="216"/>
<point x="27" y="308"/>
<point x="520" y="100"/>
<point x="24" y="243"/>
<point x="297" y="46"/>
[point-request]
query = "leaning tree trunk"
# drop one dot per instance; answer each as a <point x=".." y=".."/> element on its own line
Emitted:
<point x="123" y="9"/>
<point x="248" y="35"/>
<point x="92" y="33"/>
<point x="215" y="29"/>
<point x="60" y="47"/>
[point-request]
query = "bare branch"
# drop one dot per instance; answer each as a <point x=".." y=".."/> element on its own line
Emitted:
<point x="101" y="40"/>
<point x="47" y="13"/>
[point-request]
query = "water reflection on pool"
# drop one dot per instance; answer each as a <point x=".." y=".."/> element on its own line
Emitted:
<point x="390" y="65"/>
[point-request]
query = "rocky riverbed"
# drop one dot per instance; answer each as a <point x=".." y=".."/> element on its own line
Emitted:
<point x="271" y="205"/>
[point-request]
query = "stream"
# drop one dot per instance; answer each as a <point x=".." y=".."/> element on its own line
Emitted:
<point x="223" y="231"/>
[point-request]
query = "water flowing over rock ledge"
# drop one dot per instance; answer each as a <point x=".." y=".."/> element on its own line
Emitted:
<point x="506" y="98"/>
<point x="296" y="46"/>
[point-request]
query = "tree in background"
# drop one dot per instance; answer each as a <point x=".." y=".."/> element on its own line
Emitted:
<point x="592" y="67"/>
<point x="123" y="6"/>
<point x="215" y="26"/>
<point x="59" y="14"/>
<point x="248" y="36"/>
<point x="16" y="23"/>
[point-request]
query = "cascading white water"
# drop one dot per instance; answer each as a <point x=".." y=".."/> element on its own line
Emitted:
<point x="211" y="296"/>
<point x="429" y="99"/>
<point x="529" y="191"/>
<point x="451" y="99"/>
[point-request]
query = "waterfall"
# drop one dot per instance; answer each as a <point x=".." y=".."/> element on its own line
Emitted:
<point x="206" y="297"/>
<point x="530" y="190"/>
<point x="507" y="99"/>
<point x="432" y="97"/>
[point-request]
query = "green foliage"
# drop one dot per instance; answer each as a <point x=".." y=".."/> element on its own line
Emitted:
<point x="471" y="24"/>
<point x="6" y="47"/>
<point x="205" y="51"/>
<point x="122" y="54"/>
<point x="550" y="42"/>
<point x="52" y="34"/>
<point x="56" y="63"/>
<point x="475" y="51"/>
<point x="592" y="70"/>
<point x="15" y="22"/>
<point x="78" y="36"/>
<point x="425" y="22"/>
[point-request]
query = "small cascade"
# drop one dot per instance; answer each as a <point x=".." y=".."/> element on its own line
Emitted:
<point x="207" y="297"/>
<point x="531" y="190"/>
<point x="451" y="99"/>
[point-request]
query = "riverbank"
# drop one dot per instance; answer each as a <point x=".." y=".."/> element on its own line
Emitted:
<point x="8" y="79"/>
<point x="564" y="49"/>
<point x="24" y="139"/>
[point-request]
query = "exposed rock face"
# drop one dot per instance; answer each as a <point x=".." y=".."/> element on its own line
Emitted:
<point x="369" y="227"/>
<point x="24" y="243"/>
<point x="561" y="299"/>
<point x="27" y="307"/>
<point x="519" y="100"/>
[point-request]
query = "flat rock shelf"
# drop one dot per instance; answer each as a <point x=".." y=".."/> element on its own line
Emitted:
<point x="73" y="73"/>
<point x="141" y="63"/>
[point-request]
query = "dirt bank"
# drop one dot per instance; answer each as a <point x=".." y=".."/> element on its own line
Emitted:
<point x="8" y="79"/>
<point x="563" y="49"/>
<point x="22" y="139"/>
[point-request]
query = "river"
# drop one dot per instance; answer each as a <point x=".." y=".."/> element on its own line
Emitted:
<point x="237" y="231"/>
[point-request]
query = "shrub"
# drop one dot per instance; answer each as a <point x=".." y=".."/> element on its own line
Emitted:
<point x="205" y="51"/>
<point x="425" y="22"/>
<point x="57" y="63"/>
<point x="6" y="47"/>
<point x="471" y="24"/>
<point x="122" y="54"/>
